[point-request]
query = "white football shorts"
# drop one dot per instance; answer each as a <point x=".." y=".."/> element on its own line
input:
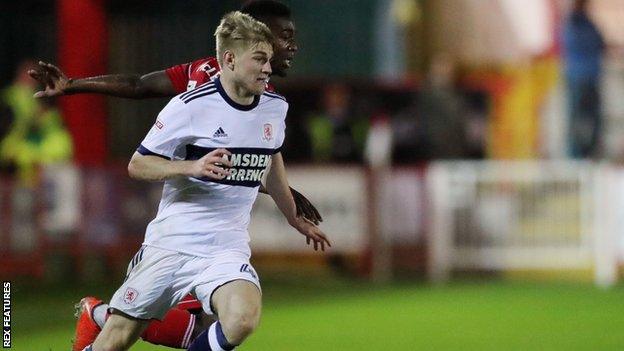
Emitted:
<point x="157" y="279"/>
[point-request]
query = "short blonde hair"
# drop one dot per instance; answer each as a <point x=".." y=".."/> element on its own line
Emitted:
<point x="240" y="31"/>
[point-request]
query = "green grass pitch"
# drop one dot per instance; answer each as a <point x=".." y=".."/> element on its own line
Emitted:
<point x="479" y="316"/>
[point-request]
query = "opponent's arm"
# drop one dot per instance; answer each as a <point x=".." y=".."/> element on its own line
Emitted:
<point x="277" y="187"/>
<point x="153" y="168"/>
<point x="134" y="86"/>
<point x="304" y="206"/>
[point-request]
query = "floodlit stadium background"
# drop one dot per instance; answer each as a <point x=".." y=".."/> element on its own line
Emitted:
<point x="458" y="218"/>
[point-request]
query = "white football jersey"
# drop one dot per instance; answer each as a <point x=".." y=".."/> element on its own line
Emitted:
<point x="203" y="217"/>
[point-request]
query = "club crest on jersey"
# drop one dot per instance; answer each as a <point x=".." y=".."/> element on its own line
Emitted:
<point x="267" y="132"/>
<point x="130" y="295"/>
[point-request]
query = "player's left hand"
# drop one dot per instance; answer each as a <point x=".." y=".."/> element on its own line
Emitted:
<point x="51" y="77"/>
<point x="312" y="233"/>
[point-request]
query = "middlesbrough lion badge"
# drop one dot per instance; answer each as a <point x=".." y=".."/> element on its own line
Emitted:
<point x="267" y="132"/>
<point x="130" y="295"/>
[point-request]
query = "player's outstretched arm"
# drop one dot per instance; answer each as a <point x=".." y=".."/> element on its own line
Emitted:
<point x="304" y="206"/>
<point x="134" y="86"/>
<point x="153" y="168"/>
<point x="277" y="186"/>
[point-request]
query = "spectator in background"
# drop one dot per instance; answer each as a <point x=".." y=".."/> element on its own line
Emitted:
<point x="583" y="51"/>
<point x="36" y="135"/>
<point x="435" y="125"/>
<point x="443" y="111"/>
<point x="335" y="134"/>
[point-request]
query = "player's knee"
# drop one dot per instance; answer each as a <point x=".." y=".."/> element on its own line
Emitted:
<point x="239" y="325"/>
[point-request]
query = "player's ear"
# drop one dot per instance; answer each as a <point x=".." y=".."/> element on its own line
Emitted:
<point x="228" y="59"/>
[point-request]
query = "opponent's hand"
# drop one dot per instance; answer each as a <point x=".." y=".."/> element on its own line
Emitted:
<point x="305" y="208"/>
<point x="312" y="233"/>
<point x="51" y="77"/>
<point x="213" y="165"/>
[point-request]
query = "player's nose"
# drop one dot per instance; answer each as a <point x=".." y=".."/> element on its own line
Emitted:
<point x="267" y="68"/>
<point x="293" y="46"/>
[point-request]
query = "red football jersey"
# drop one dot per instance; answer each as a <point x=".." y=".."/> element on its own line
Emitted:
<point x="187" y="76"/>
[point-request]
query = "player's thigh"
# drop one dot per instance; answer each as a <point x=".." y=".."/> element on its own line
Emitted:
<point x="120" y="331"/>
<point x="238" y="301"/>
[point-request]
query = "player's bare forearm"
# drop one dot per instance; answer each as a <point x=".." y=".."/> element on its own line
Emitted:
<point x="154" y="168"/>
<point x="213" y="165"/>
<point x="56" y="83"/>
<point x="277" y="187"/>
<point x="304" y="207"/>
<point x="155" y="84"/>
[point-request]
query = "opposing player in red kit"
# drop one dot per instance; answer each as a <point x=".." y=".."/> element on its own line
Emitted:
<point x="181" y="324"/>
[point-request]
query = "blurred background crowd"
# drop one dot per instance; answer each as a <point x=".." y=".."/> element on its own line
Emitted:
<point x="453" y="79"/>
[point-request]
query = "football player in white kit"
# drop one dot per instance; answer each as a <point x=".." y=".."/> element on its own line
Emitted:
<point x="212" y="146"/>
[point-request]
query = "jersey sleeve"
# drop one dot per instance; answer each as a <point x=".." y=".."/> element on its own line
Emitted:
<point x="189" y="75"/>
<point x="171" y="129"/>
<point x="281" y="131"/>
<point x="179" y="76"/>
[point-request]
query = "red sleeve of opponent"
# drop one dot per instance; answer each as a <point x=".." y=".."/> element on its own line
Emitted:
<point x="200" y="71"/>
<point x="179" y="76"/>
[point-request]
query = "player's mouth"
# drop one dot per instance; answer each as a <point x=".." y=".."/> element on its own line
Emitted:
<point x="263" y="80"/>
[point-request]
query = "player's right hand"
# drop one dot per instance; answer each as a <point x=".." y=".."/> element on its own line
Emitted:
<point x="51" y="77"/>
<point x="314" y="235"/>
<point x="213" y="165"/>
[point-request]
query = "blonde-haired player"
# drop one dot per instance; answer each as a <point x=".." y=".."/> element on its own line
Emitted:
<point x="211" y="146"/>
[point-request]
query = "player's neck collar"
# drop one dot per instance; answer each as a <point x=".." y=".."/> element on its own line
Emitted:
<point x="233" y="103"/>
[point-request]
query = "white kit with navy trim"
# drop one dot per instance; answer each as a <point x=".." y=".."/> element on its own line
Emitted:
<point x="202" y="216"/>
